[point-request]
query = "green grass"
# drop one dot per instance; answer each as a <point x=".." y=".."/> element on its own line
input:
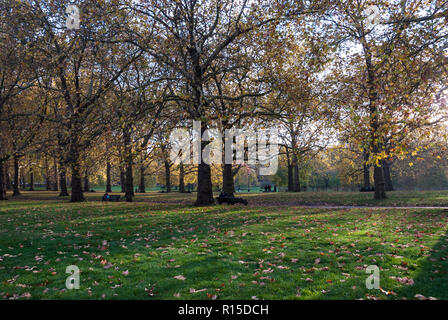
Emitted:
<point x="231" y="252"/>
<point x="395" y="198"/>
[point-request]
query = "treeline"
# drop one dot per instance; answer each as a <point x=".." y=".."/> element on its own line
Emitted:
<point x="107" y="95"/>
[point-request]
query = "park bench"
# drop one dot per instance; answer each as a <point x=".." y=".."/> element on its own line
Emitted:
<point x="112" y="198"/>
<point x="230" y="199"/>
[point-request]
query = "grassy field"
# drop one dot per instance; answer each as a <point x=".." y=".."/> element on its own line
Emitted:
<point x="396" y="198"/>
<point x="161" y="247"/>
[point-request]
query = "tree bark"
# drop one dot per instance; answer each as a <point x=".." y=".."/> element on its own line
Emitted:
<point x="76" y="183"/>
<point x="31" y="180"/>
<point x="366" y="171"/>
<point x="8" y="177"/>
<point x="205" y="189"/>
<point x="108" y="178"/>
<point x="290" y="178"/>
<point x="296" y="186"/>
<point x="63" y="180"/>
<point x="123" y="179"/>
<point x="387" y="176"/>
<point x="2" y="182"/>
<point x="228" y="185"/>
<point x="16" y="190"/>
<point x="141" y="187"/>
<point x="380" y="192"/>
<point x="22" y="180"/>
<point x="129" y="185"/>
<point x="55" y="175"/>
<point x="181" y="178"/>
<point x="86" y="181"/>
<point x="47" y="174"/>
<point x="167" y="176"/>
<point x="129" y="190"/>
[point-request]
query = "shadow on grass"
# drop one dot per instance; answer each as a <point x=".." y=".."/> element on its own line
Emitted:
<point x="432" y="279"/>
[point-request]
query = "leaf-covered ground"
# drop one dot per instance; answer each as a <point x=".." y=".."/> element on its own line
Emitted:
<point x="148" y="250"/>
<point x="396" y="198"/>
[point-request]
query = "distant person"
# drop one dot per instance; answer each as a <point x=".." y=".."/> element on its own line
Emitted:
<point x="106" y="197"/>
<point x="275" y="188"/>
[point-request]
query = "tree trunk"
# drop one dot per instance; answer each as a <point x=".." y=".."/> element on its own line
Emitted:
<point x="374" y="123"/>
<point x="380" y="192"/>
<point x="8" y="177"/>
<point x="129" y="185"/>
<point x="205" y="189"/>
<point x="86" y="182"/>
<point x="366" y="177"/>
<point x="167" y="176"/>
<point x="129" y="190"/>
<point x="123" y="179"/>
<point x="296" y="186"/>
<point x="23" y="182"/>
<point x="76" y="183"/>
<point x="55" y="175"/>
<point x="2" y="182"/>
<point x="290" y="178"/>
<point x="31" y="180"/>
<point x="387" y="177"/>
<point x="63" y="180"/>
<point x="141" y="187"/>
<point x="227" y="179"/>
<point x="181" y="178"/>
<point x="16" y="191"/>
<point x="47" y="175"/>
<point x="108" y="179"/>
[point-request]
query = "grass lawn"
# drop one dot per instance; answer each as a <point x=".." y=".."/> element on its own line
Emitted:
<point x="172" y="250"/>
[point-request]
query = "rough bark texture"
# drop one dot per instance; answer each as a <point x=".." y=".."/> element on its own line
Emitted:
<point x="228" y="185"/>
<point x="16" y="191"/>
<point x="86" y="182"/>
<point x="167" y="176"/>
<point x="63" y="180"/>
<point x="141" y="186"/>
<point x="108" y="178"/>
<point x="76" y="184"/>
<point x="22" y="180"/>
<point x="47" y="175"/>
<point x="31" y="180"/>
<point x="129" y="189"/>
<point x="122" y="179"/>
<point x="205" y="190"/>
<point x="380" y="192"/>
<point x="387" y="176"/>
<point x="290" y="178"/>
<point x="296" y="185"/>
<point x="54" y="186"/>
<point x="366" y="176"/>
<point x="2" y="182"/>
<point x="181" y="178"/>
<point x="7" y="177"/>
